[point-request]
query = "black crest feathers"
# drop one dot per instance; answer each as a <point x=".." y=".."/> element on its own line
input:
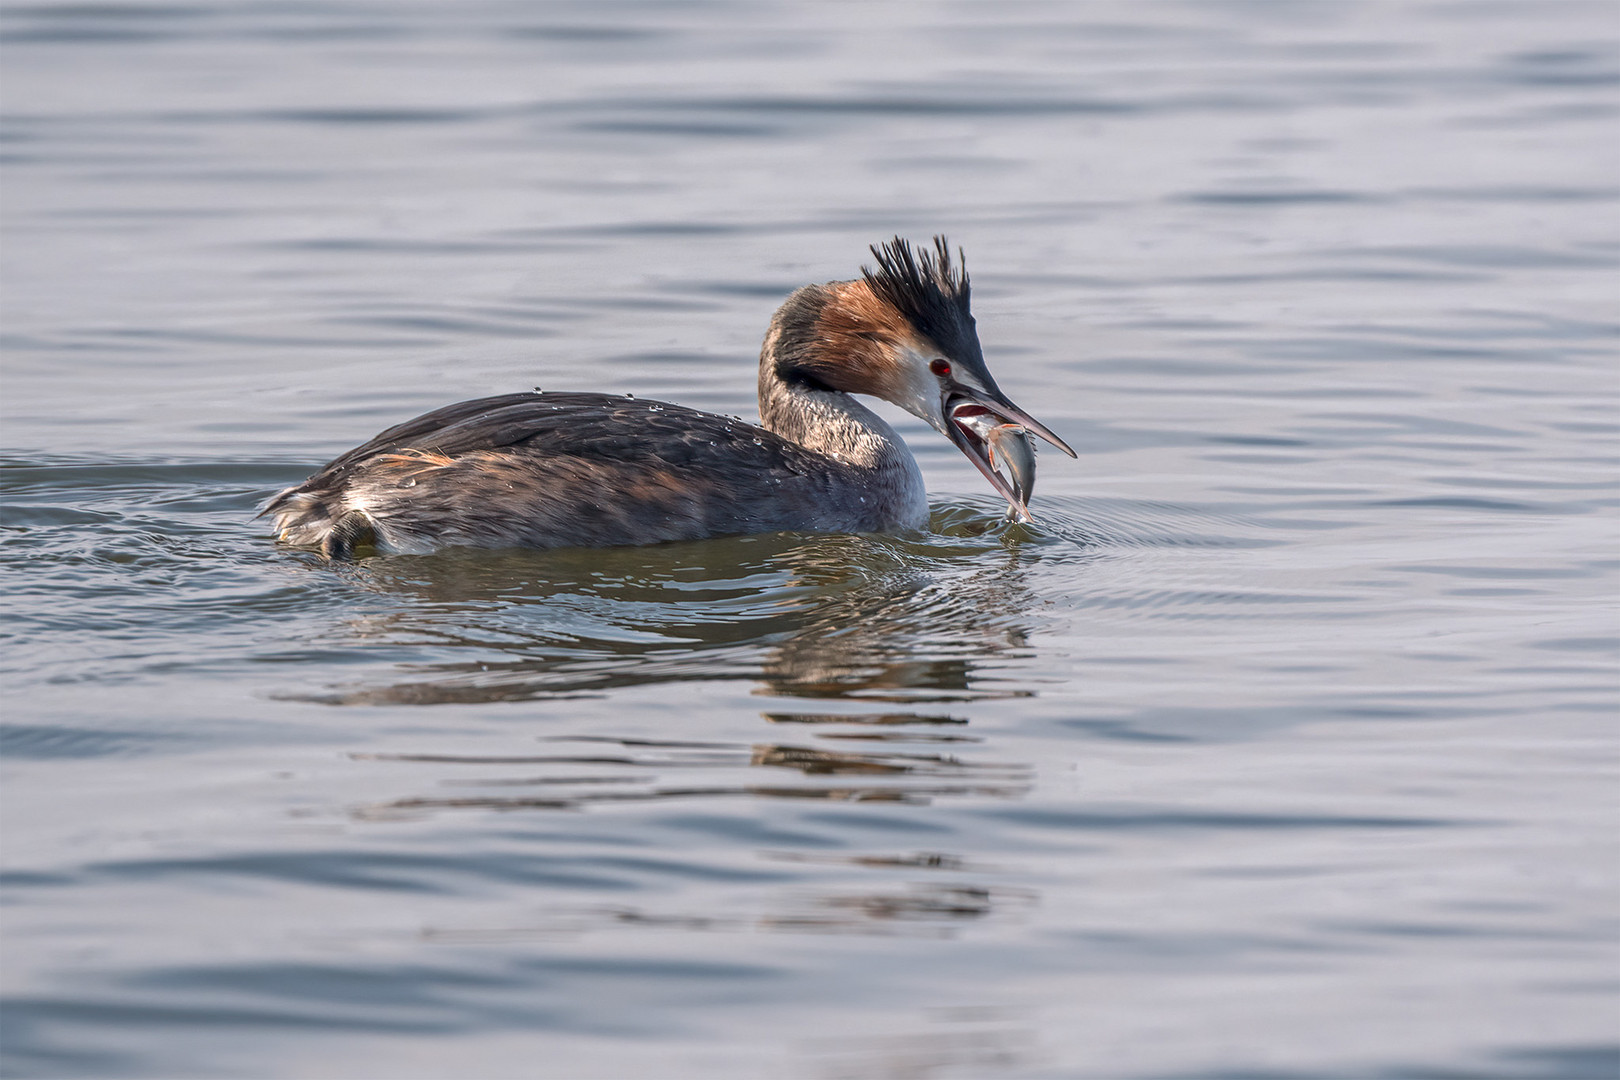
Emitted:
<point x="929" y="289"/>
<point x="920" y="284"/>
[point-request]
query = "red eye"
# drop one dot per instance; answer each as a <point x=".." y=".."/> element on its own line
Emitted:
<point x="939" y="367"/>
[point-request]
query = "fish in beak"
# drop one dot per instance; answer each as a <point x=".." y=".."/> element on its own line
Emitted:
<point x="995" y="435"/>
<point x="1010" y="452"/>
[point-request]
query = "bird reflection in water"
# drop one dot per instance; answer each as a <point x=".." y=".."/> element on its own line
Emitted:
<point x="829" y="617"/>
<point x="974" y="1045"/>
<point x="914" y="909"/>
<point x="850" y="620"/>
<point x="884" y="777"/>
<point x="888" y="644"/>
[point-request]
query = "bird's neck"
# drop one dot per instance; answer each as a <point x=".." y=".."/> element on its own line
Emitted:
<point x="813" y="415"/>
<point x="872" y="476"/>
<point x="829" y="422"/>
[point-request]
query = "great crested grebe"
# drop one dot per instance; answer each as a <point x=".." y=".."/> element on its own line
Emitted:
<point x="547" y="470"/>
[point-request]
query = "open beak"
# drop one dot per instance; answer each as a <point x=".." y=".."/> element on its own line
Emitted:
<point x="994" y="434"/>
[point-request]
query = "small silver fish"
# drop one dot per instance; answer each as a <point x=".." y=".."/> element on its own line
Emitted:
<point x="1011" y="451"/>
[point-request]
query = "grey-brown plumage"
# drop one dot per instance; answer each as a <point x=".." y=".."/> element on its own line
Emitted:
<point x="574" y="470"/>
<point x="594" y="470"/>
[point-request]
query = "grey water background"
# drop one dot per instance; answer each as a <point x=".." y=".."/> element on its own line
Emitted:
<point x="1282" y="746"/>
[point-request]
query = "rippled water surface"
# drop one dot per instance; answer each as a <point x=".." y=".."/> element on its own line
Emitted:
<point x="1282" y="746"/>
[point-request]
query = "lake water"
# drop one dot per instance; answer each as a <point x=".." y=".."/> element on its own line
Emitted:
<point x="1283" y="746"/>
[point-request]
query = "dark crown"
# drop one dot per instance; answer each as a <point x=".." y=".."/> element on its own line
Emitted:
<point x="930" y="291"/>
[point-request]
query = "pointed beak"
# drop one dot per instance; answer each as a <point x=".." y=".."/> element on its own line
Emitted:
<point x="993" y="433"/>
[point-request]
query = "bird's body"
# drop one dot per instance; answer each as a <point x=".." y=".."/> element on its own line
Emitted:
<point x="544" y="470"/>
<point x="593" y="470"/>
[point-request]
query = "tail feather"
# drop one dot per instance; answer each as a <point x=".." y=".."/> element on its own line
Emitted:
<point x="302" y="517"/>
